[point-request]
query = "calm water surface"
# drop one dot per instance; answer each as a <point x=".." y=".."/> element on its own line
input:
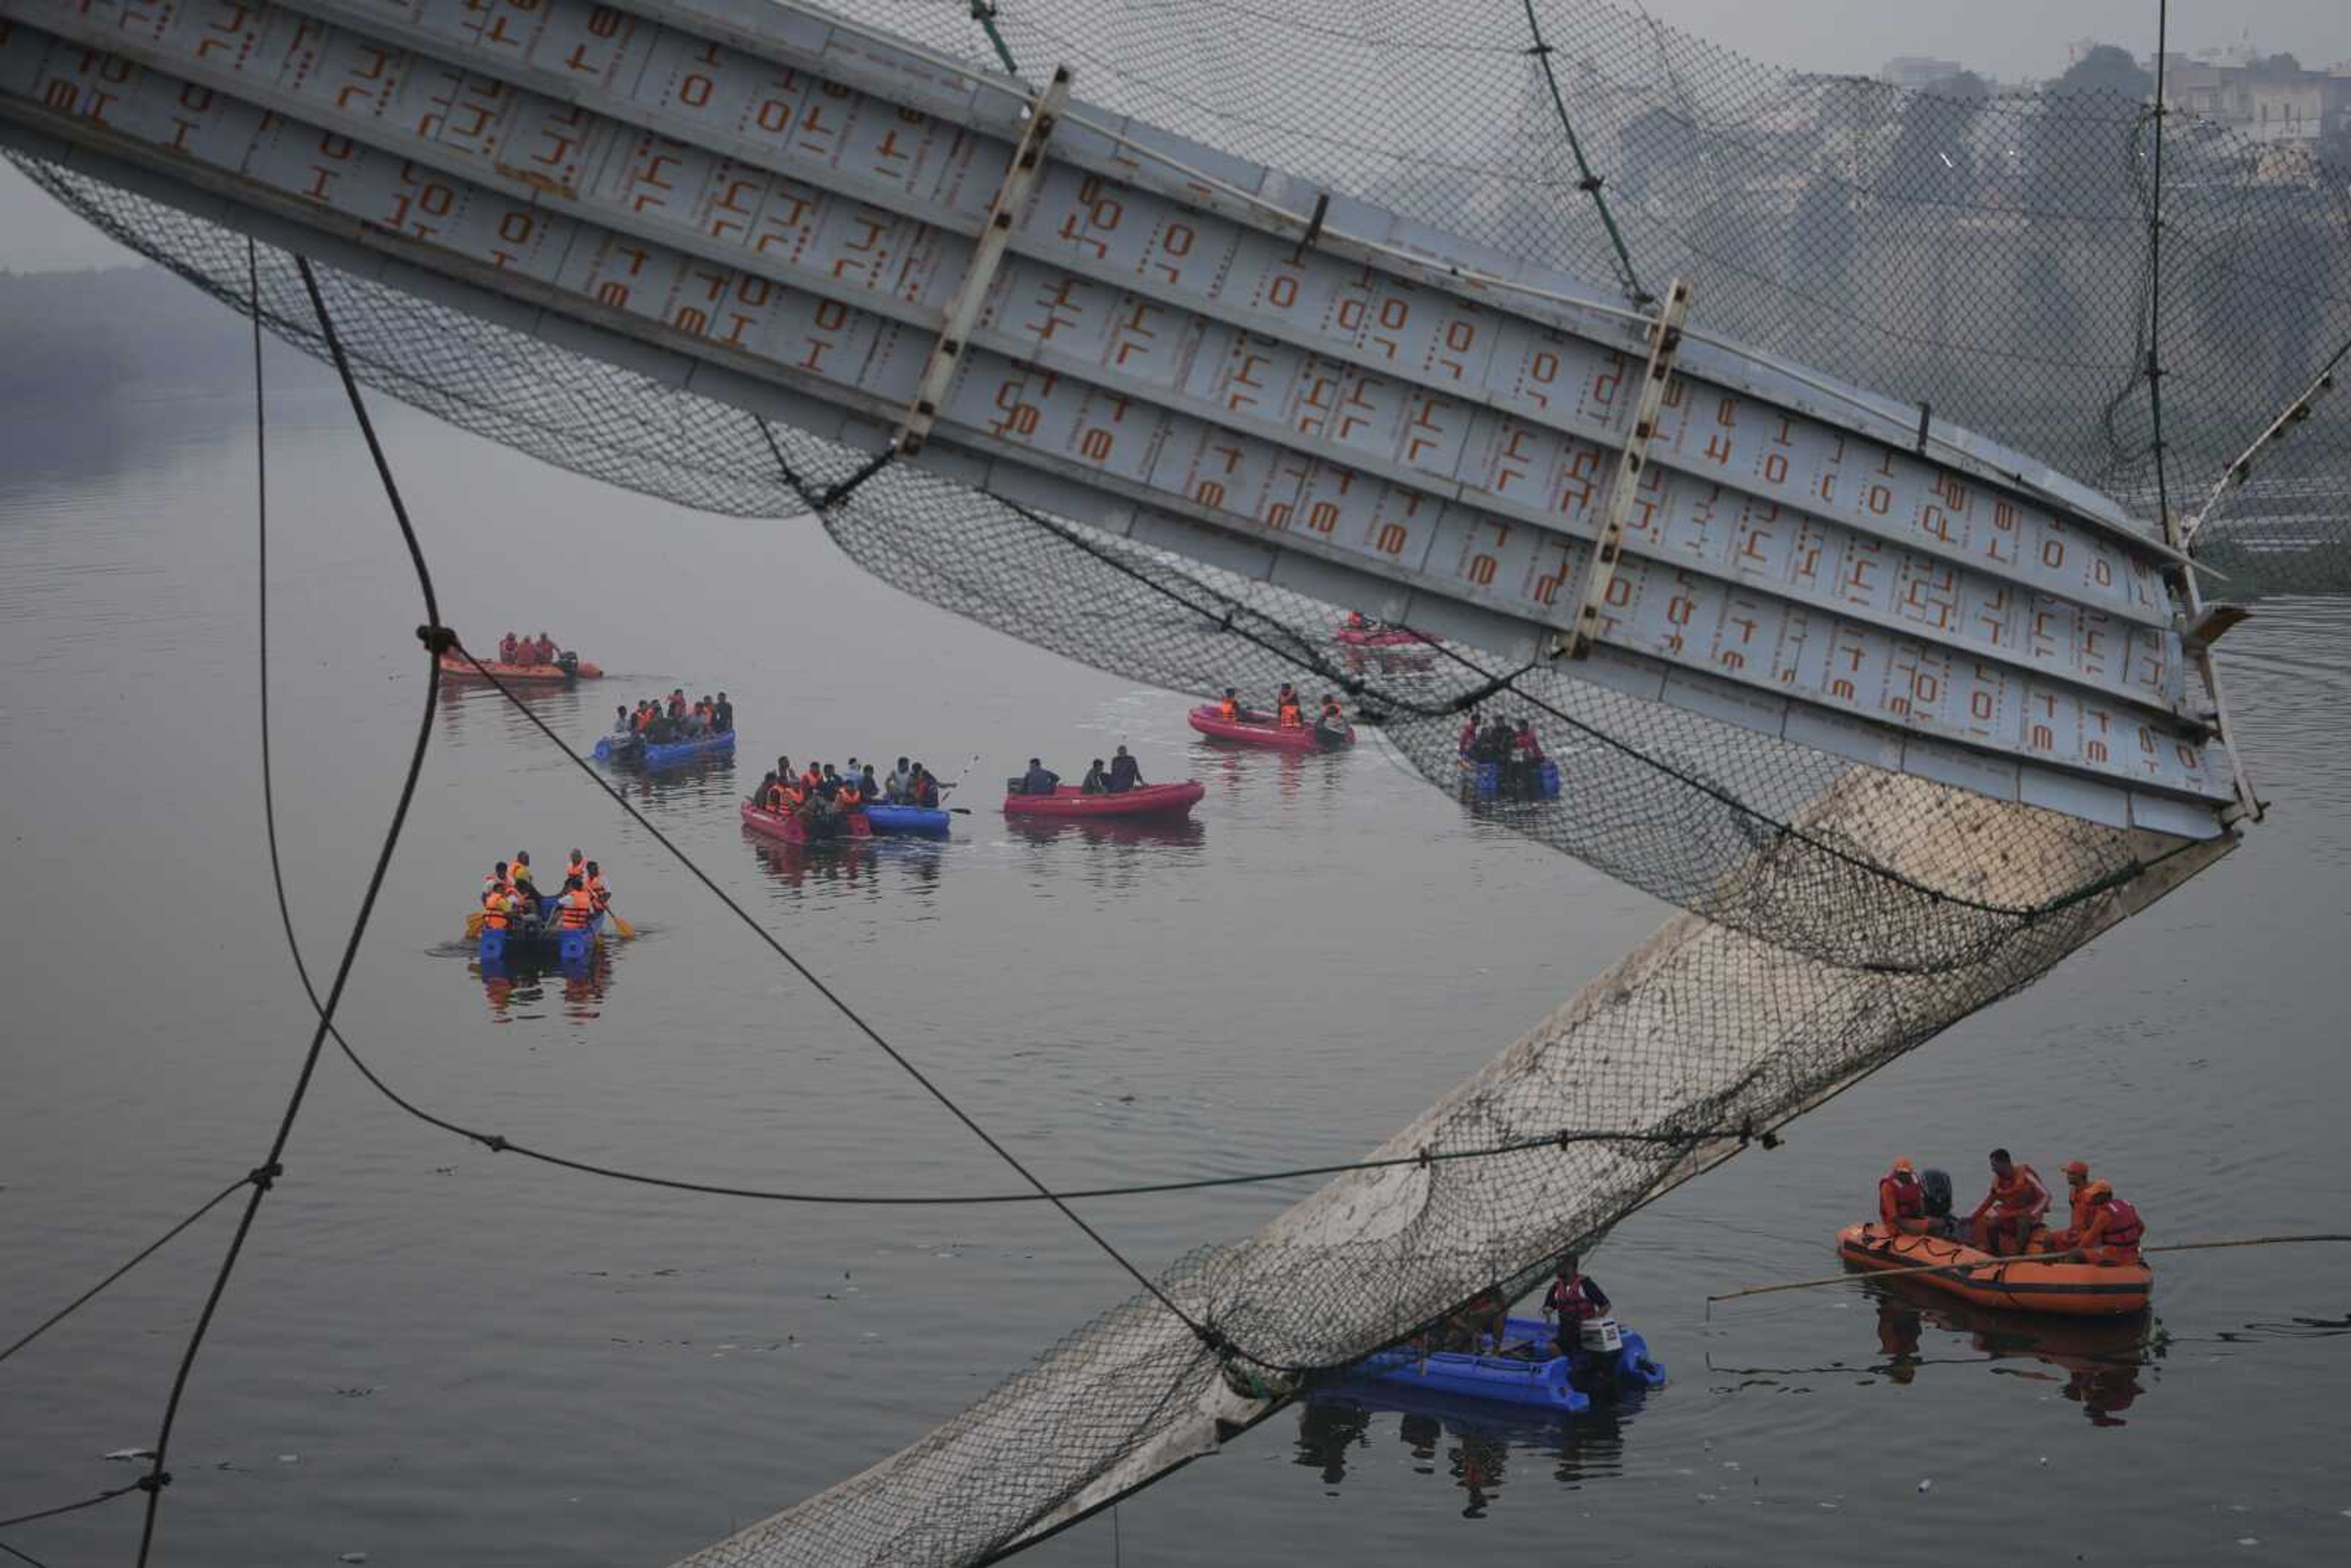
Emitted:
<point x="435" y="1355"/>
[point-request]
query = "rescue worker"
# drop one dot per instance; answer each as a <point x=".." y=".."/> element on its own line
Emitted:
<point x="1333" y="715"/>
<point x="1289" y="713"/>
<point x="2077" y="1202"/>
<point x="812" y="779"/>
<point x="1126" y="773"/>
<point x="1039" y="779"/>
<point x="722" y="714"/>
<point x="576" y="910"/>
<point x="498" y="879"/>
<point x="1229" y="709"/>
<point x="1467" y="745"/>
<point x="621" y="723"/>
<point x="497" y="907"/>
<point x="575" y="866"/>
<point x="593" y="881"/>
<point x="2111" y="1237"/>
<point x="518" y="876"/>
<point x="1902" y="1202"/>
<point x="1574" y="1300"/>
<point x="1096" y="781"/>
<point x="1358" y="622"/>
<point x="676" y="703"/>
<point x="849" y="795"/>
<point x="925" y="791"/>
<point x="2002" y="1223"/>
<point x="901" y="781"/>
<point x="763" y="799"/>
<point x="869" y="789"/>
<point x="509" y="645"/>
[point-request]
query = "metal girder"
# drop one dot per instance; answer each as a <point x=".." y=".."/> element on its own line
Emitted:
<point x="1664" y="344"/>
<point x="1011" y="198"/>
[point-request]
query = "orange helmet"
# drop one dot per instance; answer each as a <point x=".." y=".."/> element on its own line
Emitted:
<point x="2077" y="1170"/>
<point x="2099" y="1192"/>
<point x="1904" y="1163"/>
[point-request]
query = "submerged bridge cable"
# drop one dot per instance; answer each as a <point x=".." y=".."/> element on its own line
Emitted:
<point x="54" y="1319"/>
<point x="265" y="1175"/>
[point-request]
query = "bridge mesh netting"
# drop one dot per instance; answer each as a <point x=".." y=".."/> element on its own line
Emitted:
<point x="1988" y="255"/>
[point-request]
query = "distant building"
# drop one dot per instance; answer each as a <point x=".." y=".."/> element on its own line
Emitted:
<point x="2265" y="101"/>
<point x="1918" y="70"/>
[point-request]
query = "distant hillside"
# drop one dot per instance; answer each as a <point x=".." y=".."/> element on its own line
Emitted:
<point x="121" y="333"/>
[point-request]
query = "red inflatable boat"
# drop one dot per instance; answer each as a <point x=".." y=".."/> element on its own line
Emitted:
<point x="1258" y="729"/>
<point x="790" y="829"/>
<point x="1384" y="637"/>
<point x="1142" y="800"/>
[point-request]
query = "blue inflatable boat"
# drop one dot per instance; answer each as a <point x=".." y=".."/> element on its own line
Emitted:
<point x="547" y="939"/>
<point x="928" y="821"/>
<point x="1484" y="780"/>
<point x="1526" y="1369"/>
<point x="627" y="749"/>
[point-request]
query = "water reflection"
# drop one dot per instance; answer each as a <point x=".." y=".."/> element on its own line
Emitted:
<point x="697" y="779"/>
<point x="1473" y="1444"/>
<point x="517" y="989"/>
<point x="2100" y="1362"/>
<point x="1235" y="772"/>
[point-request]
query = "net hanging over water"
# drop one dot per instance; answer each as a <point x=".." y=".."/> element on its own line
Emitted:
<point x="1984" y="256"/>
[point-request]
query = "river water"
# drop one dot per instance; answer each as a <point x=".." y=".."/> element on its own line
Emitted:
<point x="435" y="1354"/>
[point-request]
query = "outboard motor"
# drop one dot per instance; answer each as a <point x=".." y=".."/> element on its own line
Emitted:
<point x="1938" y="1187"/>
<point x="569" y="663"/>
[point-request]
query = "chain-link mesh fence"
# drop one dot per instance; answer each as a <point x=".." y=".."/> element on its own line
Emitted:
<point x="1986" y="255"/>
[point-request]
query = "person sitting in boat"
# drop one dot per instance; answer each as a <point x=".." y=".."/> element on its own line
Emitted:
<point x="622" y="724"/>
<point x="1039" y="779"/>
<point x="1126" y="773"/>
<point x="1096" y="781"/>
<point x="539" y="650"/>
<point x="518" y="876"/>
<point x="576" y="910"/>
<point x="2077" y="1203"/>
<point x="722" y="714"/>
<point x="591" y="878"/>
<point x="575" y="866"/>
<point x="812" y="779"/>
<point x="869" y="788"/>
<point x="676" y="703"/>
<point x="764" y="797"/>
<point x="1574" y="1300"/>
<point x="498" y="879"/>
<point x="2002" y="1224"/>
<point x="661" y="729"/>
<point x="1359" y="621"/>
<point x="1484" y="1316"/>
<point x="2111" y="1236"/>
<point x="1467" y="747"/>
<point x="899" y="785"/>
<point x="507" y="645"/>
<point x="1289" y="712"/>
<point x="924" y="790"/>
<point x="1229" y="708"/>
<point x="1902" y="1202"/>
<point x="828" y="784"/>
<point x="497" y="907"/>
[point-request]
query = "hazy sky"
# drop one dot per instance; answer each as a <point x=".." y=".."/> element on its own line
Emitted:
<point x="2003" y="38"/>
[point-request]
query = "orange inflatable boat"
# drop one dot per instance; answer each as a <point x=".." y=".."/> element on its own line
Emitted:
<point x="2026" y="1284"/>
<point x="578" y="670"/>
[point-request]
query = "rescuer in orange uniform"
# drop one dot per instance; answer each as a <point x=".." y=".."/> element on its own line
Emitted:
<point x="1230" y="708"/>
<point x="2003" y="1222"/>
<point x="1902" y="1202"/>
<point x="2110" y="1237"/>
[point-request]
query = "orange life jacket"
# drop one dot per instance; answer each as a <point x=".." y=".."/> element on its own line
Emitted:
<point x="849" y="797"/>
<point x="1333" y="712"/>
<point x="1291" y="718"/>
<point x="578" y="913"/>
<point x="2114" y="1224"/>
<point x="578" y="869"/>
<point x="811" y="779"/>
<point x="2081" y="1209"/>
<point x="1229" y="709"/>
<point x="493" y="908"/>
<point x="1900" y="1199"/>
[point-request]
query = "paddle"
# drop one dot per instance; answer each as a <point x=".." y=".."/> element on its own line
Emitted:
<point x="621" y="928"/>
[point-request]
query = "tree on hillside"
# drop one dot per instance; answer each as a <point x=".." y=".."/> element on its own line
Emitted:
<point x="2081" y="151"/>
